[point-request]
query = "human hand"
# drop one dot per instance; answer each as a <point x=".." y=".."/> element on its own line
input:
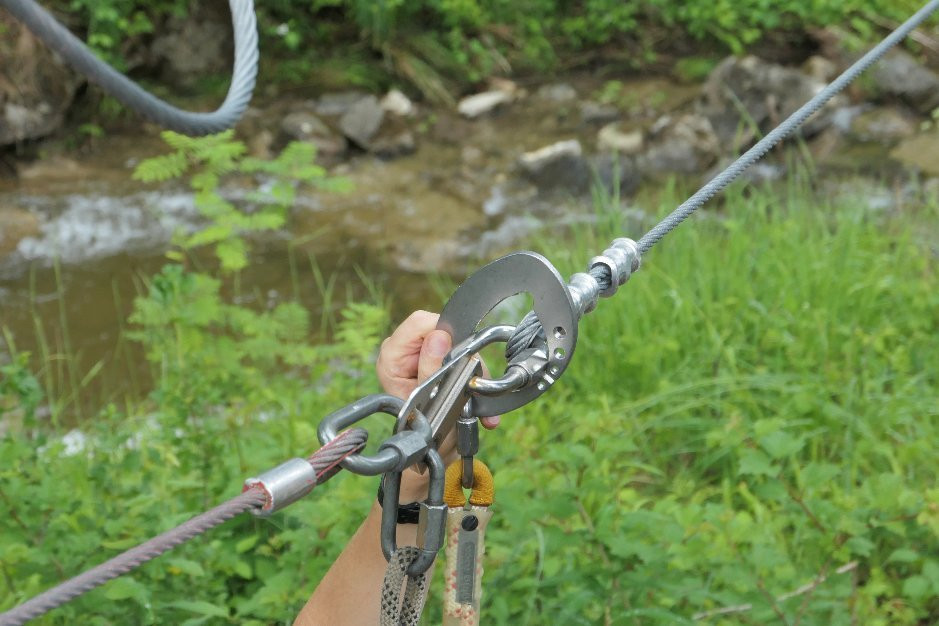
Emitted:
<point x="413" y="352"/>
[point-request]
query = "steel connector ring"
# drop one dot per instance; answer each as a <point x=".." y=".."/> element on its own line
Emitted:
<point x="431" y="523"/>
<point x="383" y="461"/>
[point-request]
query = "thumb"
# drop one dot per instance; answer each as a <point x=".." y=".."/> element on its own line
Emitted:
<point x="436" y="346"/>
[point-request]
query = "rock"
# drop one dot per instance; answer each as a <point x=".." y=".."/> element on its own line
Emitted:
<point x="56" y="168"/>
<point x="920" y="151"/>
<point x="396" y="103"/>
<point x="335" y="104"/>
<point x="560" y="165"/>
<point x="451" y="129"/>
<point x="36" y="88"/>
<point x="685" y="146"/>
<point x="261" y="144"/>
<point x="767" y="93"/>
<point x="759" y="172"/>
<point x="392" y="144"/>
<point x="899" y="74"/>
<point x="197" y="43"/>
<point x="596" y="113"/>
<point x="472" y="157"/>
<point x="362" y="121"/>
<point x="885" y="125"/>
<point x="482" y="103"/>
<point x="612" y="138"/>
<point x="510" y="87"/>
<point x="843" y="117"/>
<point x="15" y="225"/>
<point x="301" y="125"/>
<point x="557" y="92"/>
<point x="820" y="68"/>
<point x="617" y="173"/>
<point x="307" y="127"/>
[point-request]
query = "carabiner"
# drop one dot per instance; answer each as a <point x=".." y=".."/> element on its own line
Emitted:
<point x="387" y="458"/>
<point x="432" y="521"/>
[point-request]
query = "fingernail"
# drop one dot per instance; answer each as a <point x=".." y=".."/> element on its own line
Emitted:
<point x="438" y="344"/>
<point x="492" y="422"/>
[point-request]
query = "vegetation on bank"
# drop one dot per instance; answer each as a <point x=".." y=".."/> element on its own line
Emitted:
<point x="440" y="46"/>
<point x="755" y="412"/>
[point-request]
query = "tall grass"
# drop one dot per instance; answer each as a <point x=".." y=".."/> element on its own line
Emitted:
<point x="746" y="434"/>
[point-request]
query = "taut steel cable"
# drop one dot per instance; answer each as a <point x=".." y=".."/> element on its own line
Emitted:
<point x="529" y="332"/>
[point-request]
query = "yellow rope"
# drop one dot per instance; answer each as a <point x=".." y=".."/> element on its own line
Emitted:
<point x="484" y="490"/>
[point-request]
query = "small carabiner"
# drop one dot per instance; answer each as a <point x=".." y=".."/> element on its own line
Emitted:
<point x="431" y="523"/>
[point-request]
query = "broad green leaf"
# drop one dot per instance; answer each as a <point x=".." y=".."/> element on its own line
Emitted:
<point x="916" y="587"/>
<point x="246" y="544"/>
<point x="200" y="607"/>
<point x="187" y="566"/>
<point x="124" y="588"/>
<point x="243" y="569"/>
<point x="903" y="555"/>
<point x="781" y="444"/>
<point x="756" y="463"/>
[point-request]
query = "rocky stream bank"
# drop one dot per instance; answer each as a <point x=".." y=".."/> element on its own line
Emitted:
<point x="436" y="190"/>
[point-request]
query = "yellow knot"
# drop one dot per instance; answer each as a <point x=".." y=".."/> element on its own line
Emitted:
<point x="484" y="489"/>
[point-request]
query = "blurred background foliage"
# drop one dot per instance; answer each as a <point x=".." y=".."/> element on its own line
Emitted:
<point x="442" y="46"/>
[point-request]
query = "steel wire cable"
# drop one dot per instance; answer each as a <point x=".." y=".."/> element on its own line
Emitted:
<point x="325" y="462"/>
<point x="786" y="128"/>
<point x="529" y="332"/>
<point x="80" y="57"/>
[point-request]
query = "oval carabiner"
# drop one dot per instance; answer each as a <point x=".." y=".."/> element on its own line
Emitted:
<point x="382" y="461"/>
<point x="430" y="525"/>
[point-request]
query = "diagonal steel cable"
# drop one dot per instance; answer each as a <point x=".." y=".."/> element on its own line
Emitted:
<point x="325" y="462"/>
<point x="529" y="332"/>
<point x="79" y="56"/>
<point x="785" y="128"/>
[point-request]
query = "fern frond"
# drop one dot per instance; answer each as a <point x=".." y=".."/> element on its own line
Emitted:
<point x="162" y="168"/>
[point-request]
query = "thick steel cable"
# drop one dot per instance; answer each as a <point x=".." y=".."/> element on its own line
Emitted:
<point x="325" y="462"/>
<point x="529" y="332"/>
<point x="79" y="56"/>
<point x="786" y="128"/>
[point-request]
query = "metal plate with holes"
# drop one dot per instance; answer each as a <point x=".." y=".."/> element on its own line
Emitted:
<point x="504" y="278"/>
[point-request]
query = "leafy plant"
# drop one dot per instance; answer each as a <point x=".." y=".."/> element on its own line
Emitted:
<point x="746" y="437"/>
<point x="209" y="161"/>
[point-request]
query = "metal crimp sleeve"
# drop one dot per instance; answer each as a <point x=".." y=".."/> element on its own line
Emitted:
<point x="283" y="485"/>
<point x="622" y="258"/>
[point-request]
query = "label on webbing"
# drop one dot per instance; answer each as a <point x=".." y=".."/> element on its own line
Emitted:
<point x="466" y="565"/>
<point x="463" y="575"/>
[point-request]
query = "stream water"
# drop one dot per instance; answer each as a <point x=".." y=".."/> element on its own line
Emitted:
<point x="93" y="237"/>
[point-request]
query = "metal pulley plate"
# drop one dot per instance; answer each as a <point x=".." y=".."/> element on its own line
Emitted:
<point x="503" y="278"/>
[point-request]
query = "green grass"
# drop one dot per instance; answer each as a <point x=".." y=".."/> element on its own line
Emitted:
<point x="756" y="410"/>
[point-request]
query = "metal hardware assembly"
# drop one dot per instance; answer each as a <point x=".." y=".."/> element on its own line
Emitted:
<point x="433" y="515"/>
<point x="501" y="279"/>
<point x="391" y="455"/>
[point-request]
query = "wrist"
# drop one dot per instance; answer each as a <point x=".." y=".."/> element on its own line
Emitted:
<point x="414" y="486"/>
